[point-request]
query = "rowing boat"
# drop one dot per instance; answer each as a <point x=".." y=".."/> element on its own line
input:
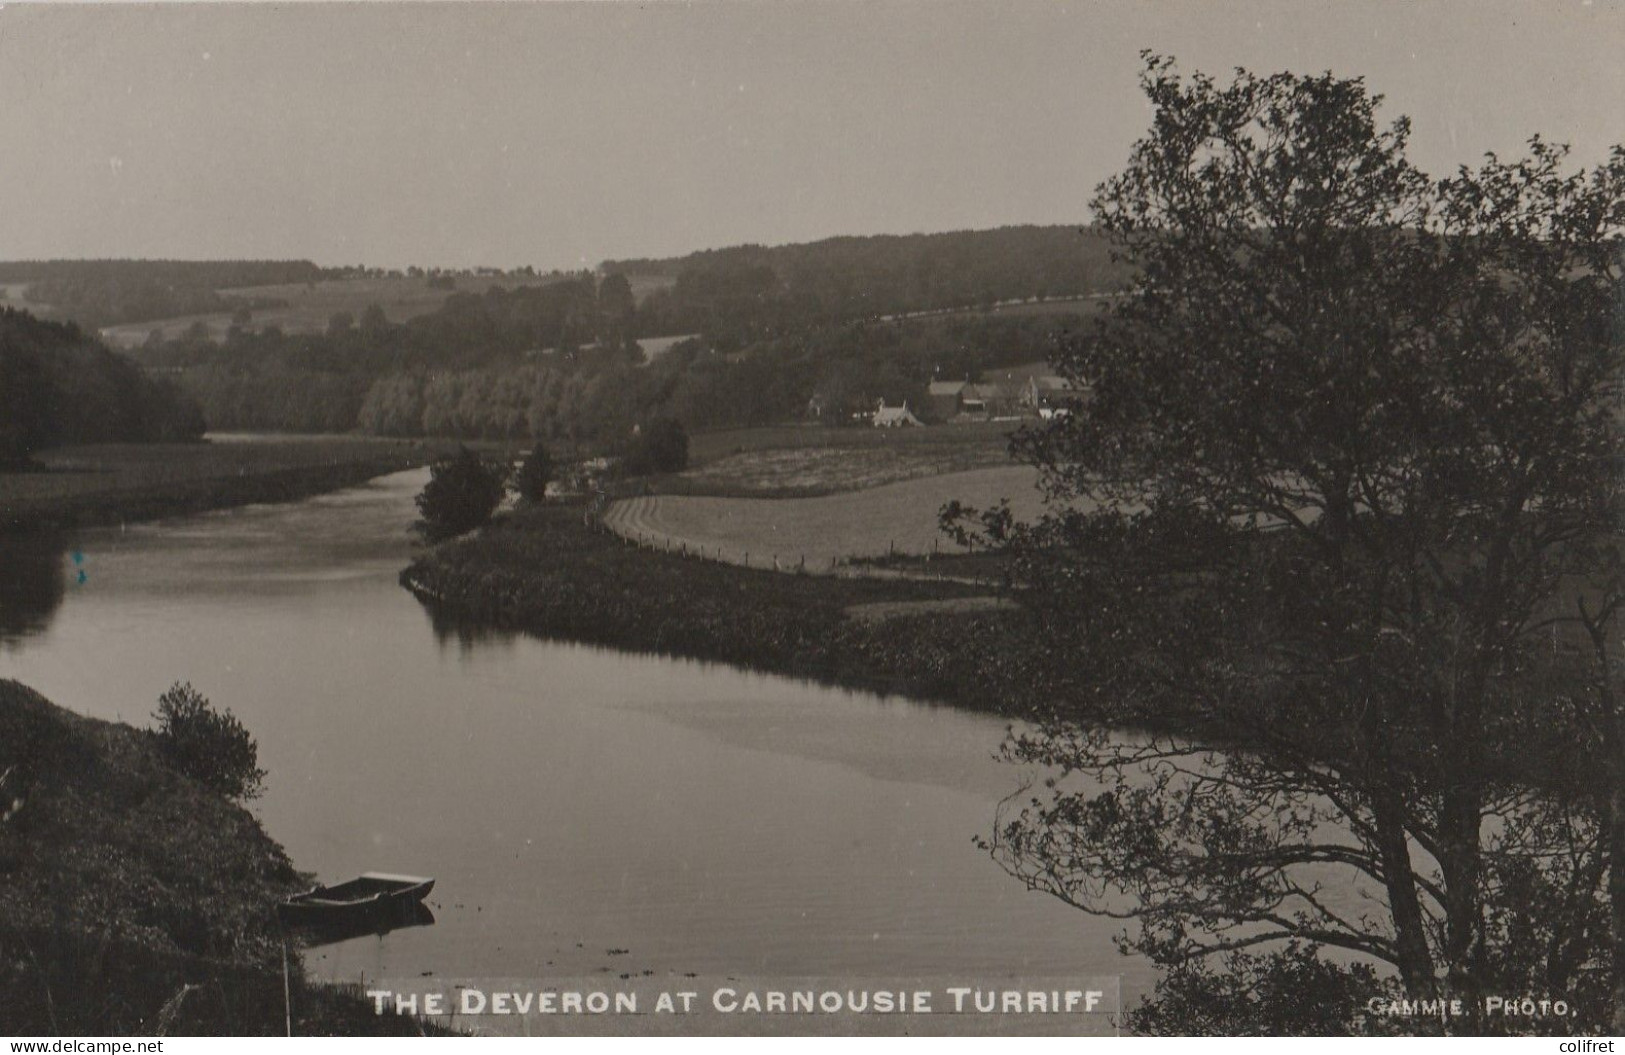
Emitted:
<point x="371" y="896"/>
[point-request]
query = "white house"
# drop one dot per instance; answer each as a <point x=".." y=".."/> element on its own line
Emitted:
<point x="894" y="417"/>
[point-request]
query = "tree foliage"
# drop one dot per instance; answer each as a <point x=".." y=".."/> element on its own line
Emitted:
<point x="661" y="446"/>
<point x="535" y="474"/>
<point x="462" y="493"/>
<point x="557" y="362"/>
<point x="58" y="386"/>
<point x="207" y="745"/>
<point x="751" y="292"/>
<point x="1348" y="449"/>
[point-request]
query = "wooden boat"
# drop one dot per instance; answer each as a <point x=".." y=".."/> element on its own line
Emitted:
<point x="325" y="931"/>
<point x="372" y="897"/>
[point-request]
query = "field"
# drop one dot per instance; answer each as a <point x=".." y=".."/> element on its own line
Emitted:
<point x="799" y="461"/>
<point x="816" y="533"/>
<point x="643" y="285"/>
<point x="310" y="305"/>
<point x="116" y="482"/>
<point x="812" y="498"/>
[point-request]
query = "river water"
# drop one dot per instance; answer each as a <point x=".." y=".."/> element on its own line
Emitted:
<point x="586" y="812"/>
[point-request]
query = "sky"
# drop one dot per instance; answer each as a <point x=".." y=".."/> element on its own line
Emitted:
<point x="561" y="134"/>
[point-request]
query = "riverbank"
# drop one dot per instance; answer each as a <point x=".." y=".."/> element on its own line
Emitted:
<point x="135" y="901"/>
<point x="545" y="570"/>
<point x="124" y="483"/>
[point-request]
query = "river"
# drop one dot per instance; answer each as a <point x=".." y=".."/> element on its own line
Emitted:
<point x="586" y="812"/>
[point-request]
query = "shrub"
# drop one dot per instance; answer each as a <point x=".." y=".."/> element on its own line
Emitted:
<point x="462" y="493"/>
<point x="534" y="474"/>
<point x="210" y="746"/>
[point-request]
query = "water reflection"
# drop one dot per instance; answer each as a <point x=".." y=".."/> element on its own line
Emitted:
<point x="33" y="580"/>
<point x="315" y="935"/>
<point x="450" y="628"/>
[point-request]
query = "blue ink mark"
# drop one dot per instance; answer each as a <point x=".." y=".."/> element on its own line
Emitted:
<point x="82" y="576"/>
<point x="78" y="557"/>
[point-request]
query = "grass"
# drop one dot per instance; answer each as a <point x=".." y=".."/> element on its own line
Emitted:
<point x="119" y="482"/>
<point x="133" y="899"/>
<point x="897" y="518"/>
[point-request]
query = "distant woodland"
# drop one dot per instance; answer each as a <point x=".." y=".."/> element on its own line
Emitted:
<point x="750" y="291"/>
<point x="778" y="333"/>
<point x="96" y="293"/>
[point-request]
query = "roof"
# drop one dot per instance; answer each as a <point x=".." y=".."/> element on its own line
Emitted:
<point x="992" y="390"/>
<point x="887" y="415"/>
<point x="945" y="388"/>
<point x="1020" y="373"/>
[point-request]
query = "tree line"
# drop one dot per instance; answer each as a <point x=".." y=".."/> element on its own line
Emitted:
<point x="559" y="363"/>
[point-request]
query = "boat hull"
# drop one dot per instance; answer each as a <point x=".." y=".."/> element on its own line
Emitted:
<point x="371" y="899"/>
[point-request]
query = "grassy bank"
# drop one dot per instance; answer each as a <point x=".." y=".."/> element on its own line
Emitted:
<point x="544" y="570"/>
<point x="117" y="483"/>
<point x="135" y="901"/>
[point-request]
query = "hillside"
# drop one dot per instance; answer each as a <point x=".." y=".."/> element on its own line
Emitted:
<point x="134" y="900"/>
<point x="312" y="307"/>
<point x="866" y="277"/>
<point x="820" y="331"/>
<point x="96" y="293"/>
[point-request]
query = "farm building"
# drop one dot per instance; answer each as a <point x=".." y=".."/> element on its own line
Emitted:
<point x="944" y="398"/>
<point x="991" y="399"/>
<point x="895" y="417"/>
<point x="1049" y="396"/>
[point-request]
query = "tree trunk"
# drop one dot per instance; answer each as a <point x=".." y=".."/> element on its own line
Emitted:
<point x="1410" y="935"/>
<point x="1616" y="884"/>
<point x="1460" y="865"/>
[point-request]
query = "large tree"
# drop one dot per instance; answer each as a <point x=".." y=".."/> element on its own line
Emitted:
<point x="1347" y="456"/>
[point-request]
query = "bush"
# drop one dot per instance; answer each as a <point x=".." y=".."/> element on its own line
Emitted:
<point x="462" y="493"/>
<point x="210" y="746"/>
<point x="661" y="447"/>
<point x="534" y="474"/>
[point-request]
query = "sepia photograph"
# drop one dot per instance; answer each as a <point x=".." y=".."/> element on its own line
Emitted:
<point x="812" y="518"/>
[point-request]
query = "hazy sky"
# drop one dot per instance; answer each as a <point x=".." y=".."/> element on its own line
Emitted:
<point x="558" y="134"/>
